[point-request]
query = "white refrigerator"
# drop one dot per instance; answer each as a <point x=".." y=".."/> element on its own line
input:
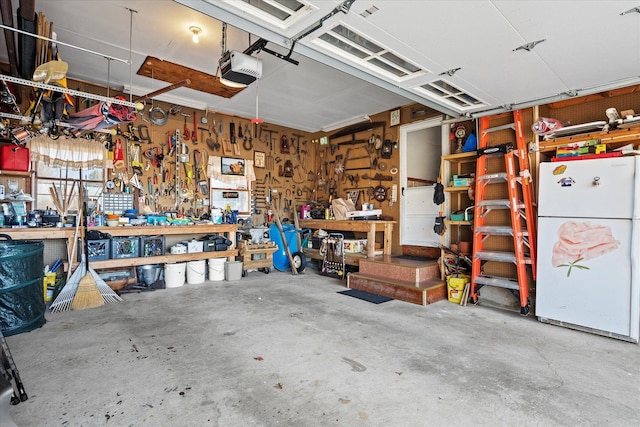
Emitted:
<point x="588" y="271"/>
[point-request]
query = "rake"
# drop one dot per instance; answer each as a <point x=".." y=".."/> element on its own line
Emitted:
<point x="65" y="297"/>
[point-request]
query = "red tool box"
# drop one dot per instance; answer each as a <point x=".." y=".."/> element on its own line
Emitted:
<point x="14" y="158"/>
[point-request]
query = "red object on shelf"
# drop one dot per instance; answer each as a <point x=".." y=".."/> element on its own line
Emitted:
<point x="587" y="156"/>
<point x="14" y="158"/>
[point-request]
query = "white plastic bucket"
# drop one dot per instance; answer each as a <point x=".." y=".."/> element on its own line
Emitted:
<point x="233" y="270"/>
<point x="174" y="274"/>
<point x="216" y="269"/>
<point x="196" y="271"/>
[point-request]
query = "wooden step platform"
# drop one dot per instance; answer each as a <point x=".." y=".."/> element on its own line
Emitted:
<point x="411" y="280"/>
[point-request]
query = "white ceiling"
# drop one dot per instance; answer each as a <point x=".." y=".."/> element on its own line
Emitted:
<point x="589" y="46"/>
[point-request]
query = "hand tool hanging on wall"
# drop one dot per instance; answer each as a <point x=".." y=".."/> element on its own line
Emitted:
<point x="197" y="158"/>
<point x="247" y="144"/>
<point x="194" y="134"/>
<point x="183" y="156"/>
<point x="232" y="132"/>
<point x="284" y="144"/>
<point x="232" y="138"/>
<point x="118" y="154"/>
<point x="202" y="138"/>
<point x="387" y="149"/>
<point x="186" y="134"/>
<point x="143" y="134"/>
<point x="130" y="133"/>
<point x="211" y="143"/>
<point x="171" y="143"/>
<point x="288" y="168"/>
<point x="136" y="162"/>
<point x="268" y="139"/>
<point x="297" y="144"/>
<point x="378" y="177"/>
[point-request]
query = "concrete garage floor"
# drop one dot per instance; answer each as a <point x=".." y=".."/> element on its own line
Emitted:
<point x="288" y="350"/>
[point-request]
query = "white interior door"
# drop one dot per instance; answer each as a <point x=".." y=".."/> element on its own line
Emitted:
<point x="421" y="145"/>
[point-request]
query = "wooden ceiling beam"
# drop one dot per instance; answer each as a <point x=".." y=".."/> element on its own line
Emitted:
<point x="170" y="72"/>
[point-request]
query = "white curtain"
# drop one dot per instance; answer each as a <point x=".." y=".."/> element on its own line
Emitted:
<point x="68" y="152"/>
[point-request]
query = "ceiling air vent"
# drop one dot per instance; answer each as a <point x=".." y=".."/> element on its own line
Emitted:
<point x="282" y="13"/>
<point x="350" y="44"/>
<point x="444" y="91"/>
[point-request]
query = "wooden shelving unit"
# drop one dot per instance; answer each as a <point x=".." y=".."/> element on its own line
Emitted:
<point x="457" y="198"/>
<point x="614" y="139"/>
<point x="229" y="230"/>
<point x="25" y="181"/>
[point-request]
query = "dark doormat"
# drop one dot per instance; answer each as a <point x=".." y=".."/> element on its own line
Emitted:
<point x="366" y="296"/>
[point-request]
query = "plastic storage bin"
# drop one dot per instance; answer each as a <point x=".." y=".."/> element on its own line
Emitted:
<point x="125" y="247"/>
<point x="152" y="245"/>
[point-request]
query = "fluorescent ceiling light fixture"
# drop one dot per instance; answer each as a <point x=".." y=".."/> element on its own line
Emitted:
<point x="346" y="122"/>
<point x="195" y="31"/>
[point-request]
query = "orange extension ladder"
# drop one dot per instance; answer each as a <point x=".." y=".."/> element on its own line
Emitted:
<point x="520" y="205"/>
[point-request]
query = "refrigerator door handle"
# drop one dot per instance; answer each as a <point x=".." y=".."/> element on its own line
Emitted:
<point x="636" y="189"/>
<point x="634" y="327"/>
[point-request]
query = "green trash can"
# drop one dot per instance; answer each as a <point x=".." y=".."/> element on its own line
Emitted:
<point x="22" y="305"/>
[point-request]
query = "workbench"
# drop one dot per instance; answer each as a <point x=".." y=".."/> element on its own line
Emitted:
<point x="371" y="227"/>
<point x="42" y="233"/>
<point x="192" y="231"/>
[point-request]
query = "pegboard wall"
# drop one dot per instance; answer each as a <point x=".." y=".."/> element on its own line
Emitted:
<point x="592" y="107"/>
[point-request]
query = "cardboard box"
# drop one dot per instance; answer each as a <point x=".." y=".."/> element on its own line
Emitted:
<point x="459" y="181"/>
<point x="354" y="246"/>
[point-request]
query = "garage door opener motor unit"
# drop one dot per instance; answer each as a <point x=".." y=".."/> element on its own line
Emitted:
<point x="239" y="67"/>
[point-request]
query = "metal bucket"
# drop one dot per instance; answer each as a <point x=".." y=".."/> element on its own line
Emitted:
<point x="149" y="274"/>
<point x="22" y="305"/>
